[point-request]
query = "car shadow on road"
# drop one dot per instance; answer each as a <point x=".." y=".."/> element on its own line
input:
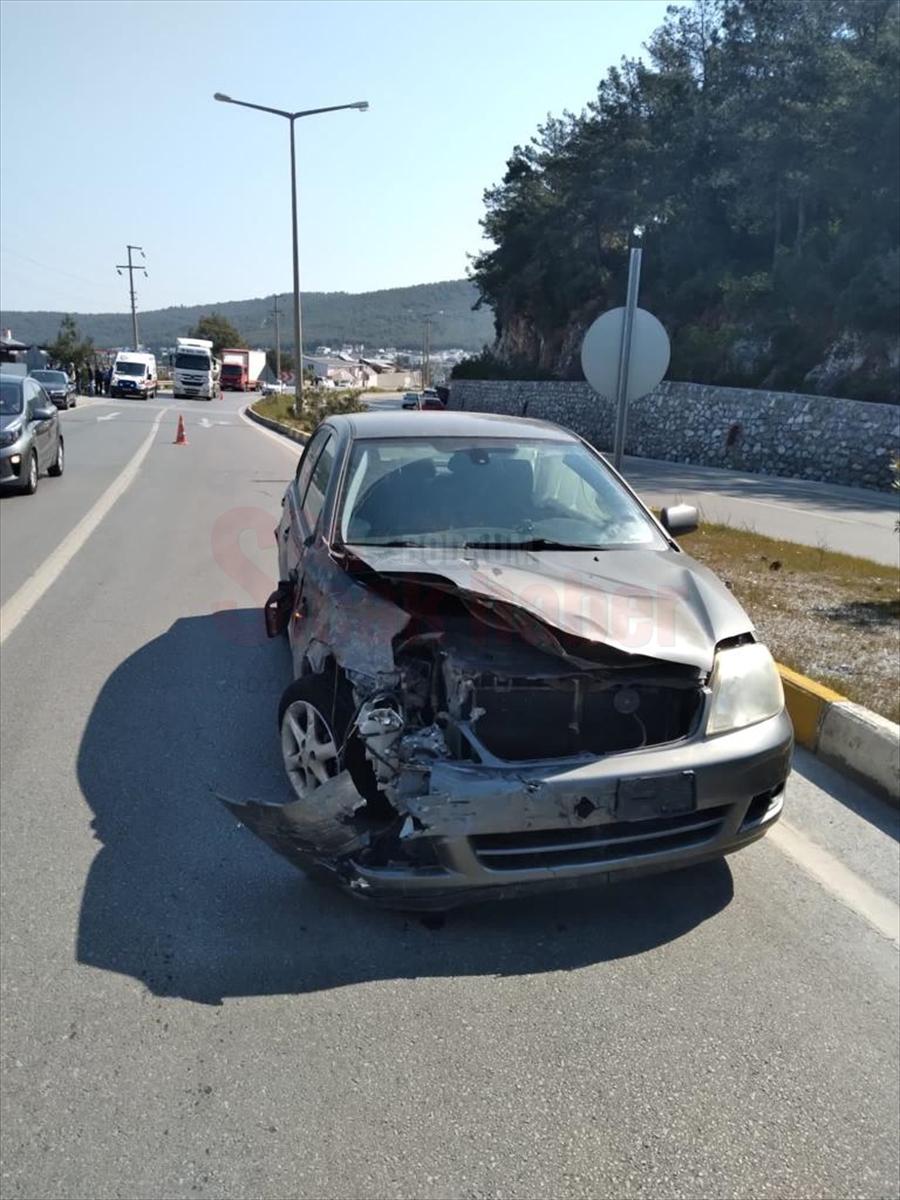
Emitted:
<point x="184" y="899"/>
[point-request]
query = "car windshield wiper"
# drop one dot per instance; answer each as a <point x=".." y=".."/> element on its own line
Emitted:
<point x="531" y="544"/>
<point x="391" y="544"/>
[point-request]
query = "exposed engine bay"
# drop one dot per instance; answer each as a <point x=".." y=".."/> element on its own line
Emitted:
<point x="486" y="696"/>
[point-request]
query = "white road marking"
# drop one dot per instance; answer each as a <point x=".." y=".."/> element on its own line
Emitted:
<point x="205" y="423"/>
<point x="109" y="416"/>
<point x="842" y="883"/>
<point x="293" y="447"/>
<point x="21" y="602"/>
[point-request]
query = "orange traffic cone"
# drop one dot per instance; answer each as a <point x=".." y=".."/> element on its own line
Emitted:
<point x="180" y="436"/>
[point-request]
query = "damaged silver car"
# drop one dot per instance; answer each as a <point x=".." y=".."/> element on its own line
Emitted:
<point x="508" y="675"/>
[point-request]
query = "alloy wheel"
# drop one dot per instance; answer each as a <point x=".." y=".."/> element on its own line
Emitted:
<point x="308" y="748"/>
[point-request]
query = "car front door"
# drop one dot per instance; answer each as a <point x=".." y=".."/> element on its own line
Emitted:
<point x="36" y="399"/>
<point x="293" y="528"/>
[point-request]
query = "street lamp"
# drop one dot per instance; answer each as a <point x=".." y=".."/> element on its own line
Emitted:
<point x="361" y="106"/>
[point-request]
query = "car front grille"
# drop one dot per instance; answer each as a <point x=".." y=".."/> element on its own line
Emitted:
<point x="598" y="844"/>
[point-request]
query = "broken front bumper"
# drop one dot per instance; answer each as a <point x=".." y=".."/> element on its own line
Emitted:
<point x="504" y="829"/>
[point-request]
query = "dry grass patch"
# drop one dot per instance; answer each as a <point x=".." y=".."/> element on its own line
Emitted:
<point x="830" y="616"/>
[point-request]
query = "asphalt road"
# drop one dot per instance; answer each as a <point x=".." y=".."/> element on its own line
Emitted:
<point x="184" y="1015"/>
<point x="856" y="521"/>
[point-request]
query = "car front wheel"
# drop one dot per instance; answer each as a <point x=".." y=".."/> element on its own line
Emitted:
<point x="60" y="461"/>
<point x="29" y="486"/>
<point x="311" y="734"/>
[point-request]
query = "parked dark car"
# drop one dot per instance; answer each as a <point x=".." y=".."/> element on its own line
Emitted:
<point x="508" y="675"/>
<point x="58" y="386"/>
<point x="431" y="401"/>
<point x="31" y="441"/>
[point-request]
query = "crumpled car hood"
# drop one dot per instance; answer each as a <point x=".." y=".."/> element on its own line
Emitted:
<point x="654" y="603"/>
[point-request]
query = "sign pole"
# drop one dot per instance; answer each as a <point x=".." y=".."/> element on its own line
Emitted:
<point x="634" y="280"/>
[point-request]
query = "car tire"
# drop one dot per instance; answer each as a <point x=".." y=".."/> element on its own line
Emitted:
<point x="59" y="463"/>
<point x="29" y="487"/>
<point x="332" y="703"/>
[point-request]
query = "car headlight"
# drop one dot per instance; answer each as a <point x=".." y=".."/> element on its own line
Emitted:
<point x="8" y="436"/>
<point x="746" y="688"/>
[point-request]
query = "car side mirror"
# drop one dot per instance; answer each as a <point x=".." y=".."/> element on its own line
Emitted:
<point x="44" y="413"/>
<point x="679" y="519"/>
<point x="278" y="609"/>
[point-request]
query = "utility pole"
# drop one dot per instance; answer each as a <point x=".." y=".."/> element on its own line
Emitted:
<point x="276" y="312"/>
<point x="428" y="318"/>
<point x="426" y="355"/>
<point x="131" y="267"/>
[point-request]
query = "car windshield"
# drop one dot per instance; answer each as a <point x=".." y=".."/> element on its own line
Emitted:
<point x="191" y="362"/>
<point x="488" y="492"/>
<point x="130" y="368"/>
<point x="55" y="378"/>
<point x="11" y="393"/>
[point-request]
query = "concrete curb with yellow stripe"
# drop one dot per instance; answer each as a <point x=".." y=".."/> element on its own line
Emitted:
<point x="849" y="737"/>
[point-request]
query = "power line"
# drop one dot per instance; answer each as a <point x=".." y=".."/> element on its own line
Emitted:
<point x="48" y="267"/>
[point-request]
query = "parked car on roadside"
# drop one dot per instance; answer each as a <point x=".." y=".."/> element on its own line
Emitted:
<point x="431" y="401"/>
<point x="31" y="440"/>
<point x="411" y="401"/>
<point x="58" y="386"/>
<point x="508" y="675"/>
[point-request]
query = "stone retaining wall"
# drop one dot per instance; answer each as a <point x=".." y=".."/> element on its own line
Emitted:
<point x="739" y="429"/>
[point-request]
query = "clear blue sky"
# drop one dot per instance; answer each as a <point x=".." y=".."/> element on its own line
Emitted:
<point x="109" y="134"/>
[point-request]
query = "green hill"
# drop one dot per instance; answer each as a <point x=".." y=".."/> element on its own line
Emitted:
<point x="392" y="317"/>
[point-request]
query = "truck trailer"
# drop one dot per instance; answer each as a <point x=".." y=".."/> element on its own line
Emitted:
<point x="241" y="369"/>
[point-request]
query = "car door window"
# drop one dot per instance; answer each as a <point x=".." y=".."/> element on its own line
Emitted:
<point x="308" y="461"/>
<point x="314" y="500"/>
<point x="32" y="398"/>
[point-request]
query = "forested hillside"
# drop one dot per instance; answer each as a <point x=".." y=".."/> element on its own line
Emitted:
<point x="392" y="317"/>
<point x="758" y="150"/>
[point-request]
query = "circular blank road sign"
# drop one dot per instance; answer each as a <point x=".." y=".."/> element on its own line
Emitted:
<point x="649" y="359"/>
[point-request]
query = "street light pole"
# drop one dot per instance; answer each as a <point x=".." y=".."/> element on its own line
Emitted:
<point x="360" y="106"/>
<point x="298" y="333"/>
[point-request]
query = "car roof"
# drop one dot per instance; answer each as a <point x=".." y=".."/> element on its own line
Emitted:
<point x="400" y="423"/>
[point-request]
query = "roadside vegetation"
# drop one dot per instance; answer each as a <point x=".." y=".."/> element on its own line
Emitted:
<point x="756" y="145"/>
<point x="830" y="616"/>
<point x="319" y="404"/>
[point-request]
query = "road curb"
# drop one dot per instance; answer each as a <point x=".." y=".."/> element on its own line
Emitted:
<point x="276" y="426"/>
<point x="853" y="739"/>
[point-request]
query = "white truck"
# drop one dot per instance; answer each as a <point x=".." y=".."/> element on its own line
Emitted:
<point x="196" y="370"/>
<point x="134" y="374"/>
<point x="241" y="369"/>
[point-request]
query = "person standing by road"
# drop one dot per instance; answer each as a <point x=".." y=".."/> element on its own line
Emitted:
<point x="98" y="380"/>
